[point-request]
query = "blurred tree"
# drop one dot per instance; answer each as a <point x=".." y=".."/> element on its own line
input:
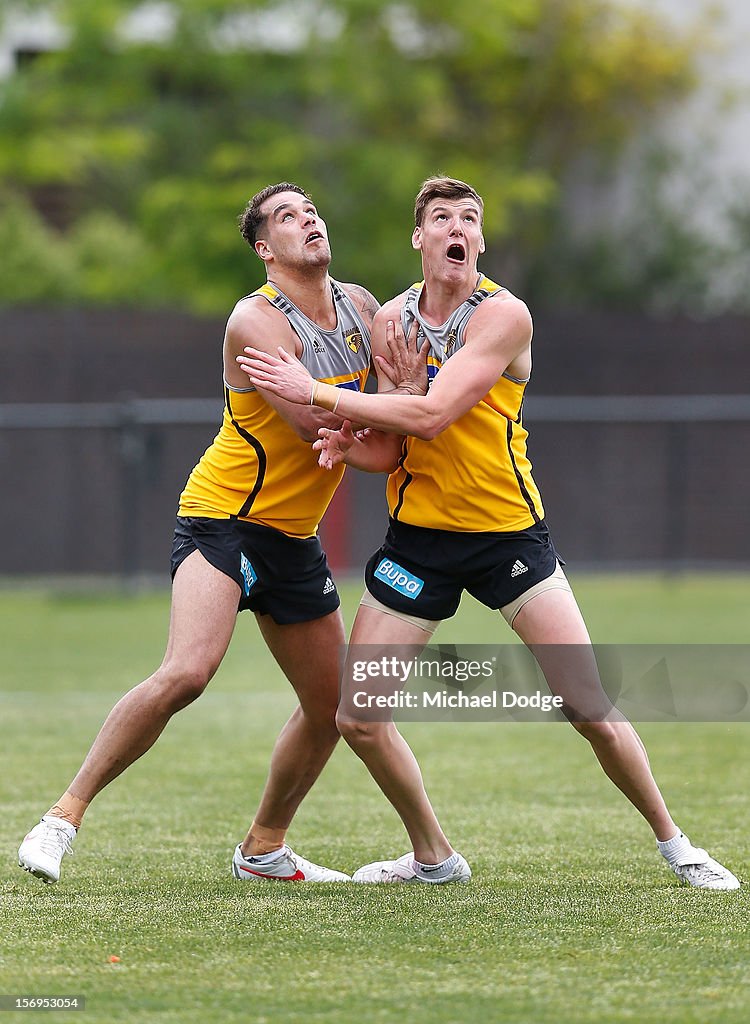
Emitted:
<point x="139" y="142"/>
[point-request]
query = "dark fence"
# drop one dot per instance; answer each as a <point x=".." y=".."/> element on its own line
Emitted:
<point x="639" y="436"/>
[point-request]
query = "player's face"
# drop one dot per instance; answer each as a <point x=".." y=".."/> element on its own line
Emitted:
<point x="295" y="235"/>
<point x="450" y="239"/>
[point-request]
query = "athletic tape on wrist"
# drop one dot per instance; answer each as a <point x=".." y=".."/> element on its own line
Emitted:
<point x="325" y="396"/>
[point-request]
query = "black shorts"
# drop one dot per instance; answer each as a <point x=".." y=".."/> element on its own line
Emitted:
<point x="423" y="572"/>
<point x="285" y="577"/>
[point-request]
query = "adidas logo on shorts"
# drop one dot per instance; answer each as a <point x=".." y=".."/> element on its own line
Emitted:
<point x="518" y="568"/>
<point x="329" y="586"/>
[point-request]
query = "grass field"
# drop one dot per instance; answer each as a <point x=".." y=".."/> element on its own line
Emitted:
<point x="571" y="916"/>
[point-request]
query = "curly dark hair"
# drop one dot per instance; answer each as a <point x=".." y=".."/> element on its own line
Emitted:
<point x="251" y="219"/>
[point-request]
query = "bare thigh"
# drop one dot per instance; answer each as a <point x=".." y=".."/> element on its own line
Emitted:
<point x="309" y="654"/>
<point x="203" y="616"/>
<point x="552" y="627"/>
<point x="375" y="635"/>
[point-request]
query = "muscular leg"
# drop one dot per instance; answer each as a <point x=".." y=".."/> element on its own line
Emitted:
<point x="553" y="618"/>
<point x="383" y="749"/>
<point x="204" y="611"/>
<point x="308" y="654"/>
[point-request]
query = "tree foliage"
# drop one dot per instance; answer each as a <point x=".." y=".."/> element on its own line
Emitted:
<point x="125" y="157"/>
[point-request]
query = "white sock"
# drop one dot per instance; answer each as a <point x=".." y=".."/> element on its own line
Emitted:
<point x="673" y="848"/>
<point x="437" y="870"/>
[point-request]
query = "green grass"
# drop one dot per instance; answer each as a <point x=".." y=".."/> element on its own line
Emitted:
<point x="571" y="915"/>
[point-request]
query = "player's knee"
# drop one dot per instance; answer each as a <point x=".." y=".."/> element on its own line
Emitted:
<point x="180" y="684"/>
<point x="358" y="733"/>
<point x="323" y="709"/>
<point x="598" y="733"/>
<point x="321" y="720"/>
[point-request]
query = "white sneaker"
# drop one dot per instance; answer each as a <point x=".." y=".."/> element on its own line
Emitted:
<point x="287" y="867"/>
<point x="402" y="870"/>
<point x="696" y="868"/>
<point x="45" y="846"/>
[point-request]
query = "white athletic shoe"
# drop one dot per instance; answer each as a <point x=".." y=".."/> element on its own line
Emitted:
<point x="287" y="867"/>
<point x="696" y="868"/>
<point x="45" y="846"/>
<point x="402" y="870"/>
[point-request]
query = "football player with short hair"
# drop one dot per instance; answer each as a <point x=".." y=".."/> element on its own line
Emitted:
<point x="246" y="537"/>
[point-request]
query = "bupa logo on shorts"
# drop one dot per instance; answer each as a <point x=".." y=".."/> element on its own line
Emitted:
<point x="249" y="575"/>
<point x="396" y="577"/>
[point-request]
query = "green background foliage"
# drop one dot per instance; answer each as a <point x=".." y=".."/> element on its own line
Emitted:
<point x="124" y="162"/>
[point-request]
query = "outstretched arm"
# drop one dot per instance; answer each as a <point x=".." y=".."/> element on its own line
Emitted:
<point x="401" y="368"/>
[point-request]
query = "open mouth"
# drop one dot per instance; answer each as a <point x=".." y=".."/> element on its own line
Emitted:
<point x="456" y="253"/>
<point x="314" y="236"/>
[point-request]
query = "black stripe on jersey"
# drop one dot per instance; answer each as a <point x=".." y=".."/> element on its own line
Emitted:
<point x="519" y="478"/>
<point x="408" y="479"/>
<point x="260" y="453"/>
<point x="282" y="303"/>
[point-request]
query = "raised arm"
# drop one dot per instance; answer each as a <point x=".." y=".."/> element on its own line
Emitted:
<point x="498" y="333"/>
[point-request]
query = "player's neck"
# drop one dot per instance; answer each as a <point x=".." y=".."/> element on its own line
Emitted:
<point x="440" y="298"/>
<point x="309" y="291"/>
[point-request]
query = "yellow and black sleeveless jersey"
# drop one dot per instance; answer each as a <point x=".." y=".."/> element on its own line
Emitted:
<point x="475" y="476"/>
<point x="258" y="469"/>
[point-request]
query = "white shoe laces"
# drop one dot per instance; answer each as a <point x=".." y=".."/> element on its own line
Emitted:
<point x="388" y="875"/>
<point x="308" y="867"/>
<point x="389" y="872"/>
<point x="703" y="874"/>
<point x="287" y="854"/>
<point x="55" y="841"/>
<point x="299" y="862"/>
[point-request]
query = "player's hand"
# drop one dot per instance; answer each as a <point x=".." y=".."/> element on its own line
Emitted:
<point x="283" y="375"/>
<point x="406" y="366"/>
<point x="333" y="445"/>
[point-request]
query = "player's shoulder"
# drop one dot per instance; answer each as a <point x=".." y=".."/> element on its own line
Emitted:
<point x="364" y="301"/>
<point x="252" y="314"/>
<point x="252" y="309"/>
<point x="391" y="310"/>
<point x="506" y="308"/>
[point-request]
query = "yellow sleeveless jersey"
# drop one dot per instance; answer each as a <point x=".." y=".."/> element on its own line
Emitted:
<point x="475" y="476"/>
<point x="258" y="469"/>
